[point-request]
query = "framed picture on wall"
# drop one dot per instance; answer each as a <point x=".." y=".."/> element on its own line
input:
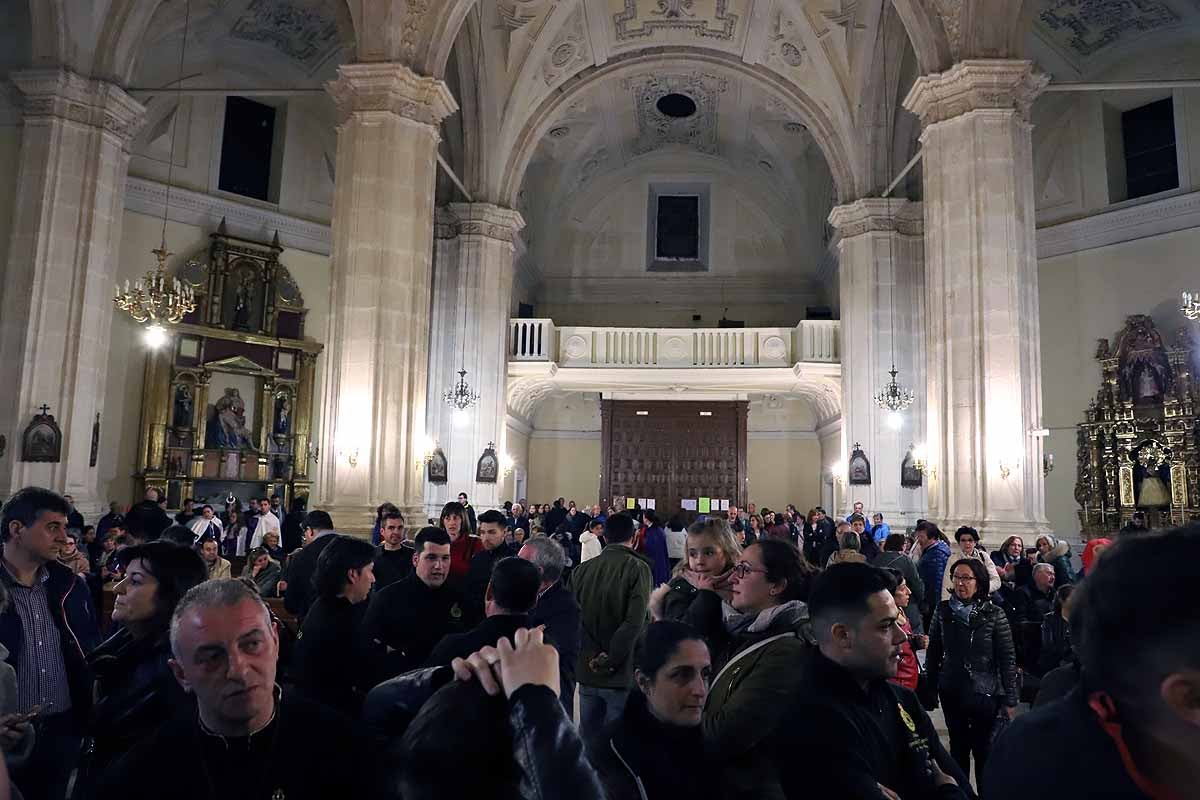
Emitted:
<point x="859" y="467"/>
<point x="488" y="468"/>
<point x="439" y="469"/>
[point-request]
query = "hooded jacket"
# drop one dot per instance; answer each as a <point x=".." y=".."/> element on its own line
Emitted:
<point x="613" y="590"/>
<point x="1059" y="557"/>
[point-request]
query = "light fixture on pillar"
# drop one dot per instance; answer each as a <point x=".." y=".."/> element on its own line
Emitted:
<point x="506" y="464"/>
<point x="1190" y="306"/>
<point x="918" y="455"/>
<point x="157" y="299"/>
<point x="894" y="397"/>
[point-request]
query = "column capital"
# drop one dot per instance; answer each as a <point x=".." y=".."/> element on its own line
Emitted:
<point x="390" y="87"/>
<point x="878" y="214"/>
<point x="445" y="224"/>
<point x="487" y="220"/>
<point x="65" y="95"/>
<point x="973" y="85"/>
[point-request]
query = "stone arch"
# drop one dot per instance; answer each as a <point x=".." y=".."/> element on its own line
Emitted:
<point x="927" y="33"/>
<point x="49" y="40"/>
<point x="830" y="135"/>
<point x="872" y="94"/>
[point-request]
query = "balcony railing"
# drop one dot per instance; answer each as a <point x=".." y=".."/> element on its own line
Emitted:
<point x="589" y="346"/>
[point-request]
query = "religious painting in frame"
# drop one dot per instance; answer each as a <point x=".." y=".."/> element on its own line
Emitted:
<point x="488" y="468"/>
<point x="859" y="468"/>
<point x="910" y="476"/>
<point x="439" y="469"/>
<point x="42" y="440"/>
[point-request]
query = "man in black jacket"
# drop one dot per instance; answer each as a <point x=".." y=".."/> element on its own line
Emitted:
<point x="491" y="536"/>
<point x="554" y="517"/>
<point x="394" y="558"/>
<point x="469" y="520"/>
<point x="406" y="620"/>
<point x="1130" y="730"/>
<point x="511" y="595"/>
<point x="556" y="609"/>
<point x="872" y="737"/>
<point x="299" y="596"/>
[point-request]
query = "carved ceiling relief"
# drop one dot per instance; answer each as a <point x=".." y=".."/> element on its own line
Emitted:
<point x="951" y="13"/>
<point x="836" y="25"/>
<point x="569" y="52"/>
<point x="305" y="33"/>
<point x="520" y="23"/>
<point x="655" y="129"/>
<point x="785" y="50"/>
<point x="707" y="19"/>
<point x="1086" y="26"/>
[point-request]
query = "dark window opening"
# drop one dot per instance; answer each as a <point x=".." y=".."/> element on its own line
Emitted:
<point x="678" y="228"/>
<point x="1148" y="133"/>
<point x="678" y="106"/>
<point x="246" y="148"/>
<point x="524" y="311"/>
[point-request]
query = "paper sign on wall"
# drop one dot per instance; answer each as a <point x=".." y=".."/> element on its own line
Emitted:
<point x="705" y="505"/>
<point x="722" y="505"/>
<point x="689" y="504"/>
<point x="650" y="503"/>
<point x="629" y="503"/>
<point x="641" y="502"/>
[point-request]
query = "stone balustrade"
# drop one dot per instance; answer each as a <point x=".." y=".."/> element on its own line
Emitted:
<point x="534" y="340"/>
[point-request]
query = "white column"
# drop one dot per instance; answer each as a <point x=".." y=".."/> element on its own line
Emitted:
<point x="57" y="306"/>
<point x="881" y="274"/>
<point x="444" y="326"/>
<point x="472" y="297"/>
<point x="374" y="404"/>
<point x="983" y="336"/>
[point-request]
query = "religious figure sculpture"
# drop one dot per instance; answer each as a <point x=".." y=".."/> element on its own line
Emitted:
<point x="283" y="415"/>
<point x="181" y="416"/>
<point x="243" y="298"/>
<point x="230" y="431"/>
<point x="1143" y="367"/>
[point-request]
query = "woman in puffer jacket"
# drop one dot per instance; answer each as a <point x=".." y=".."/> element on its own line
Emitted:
<point x="1056" y="553"/>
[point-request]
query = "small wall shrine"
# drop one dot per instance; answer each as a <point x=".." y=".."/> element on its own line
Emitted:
<point x="227" y="409"/>
<point x="1140" y="446"/>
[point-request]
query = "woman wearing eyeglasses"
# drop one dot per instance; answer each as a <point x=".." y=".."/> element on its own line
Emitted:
<point x="762" y="651"/>
<point x="971" y="663"/>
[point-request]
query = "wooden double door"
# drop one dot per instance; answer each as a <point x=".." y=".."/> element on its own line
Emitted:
<point x="672" y="451"/>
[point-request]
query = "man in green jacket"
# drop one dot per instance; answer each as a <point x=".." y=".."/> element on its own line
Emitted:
<point x="613" y="590"/>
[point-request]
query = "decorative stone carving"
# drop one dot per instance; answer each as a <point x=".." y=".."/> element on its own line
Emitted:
<point x="305" y="33"/>
<point x="873" y="214"/>
<point x="575" y="347"/>
<point x="972" y="85"/>
<point x="569" y="52"/>
<point x="784" y="47"/>
<point x="950" y="12"/>
<point x="774" y="348"/>
<point x="393" y="88"/>
<point x="675" y="348"/>
<point x="65" y="95"/>
<point x="655" y="129"/>
<point x="1087" y="26"/>
<point x="410" y="31"/>
<point x="674" y="15"/>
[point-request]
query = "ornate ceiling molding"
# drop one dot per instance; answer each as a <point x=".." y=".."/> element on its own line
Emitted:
<point x="303" y="33"/>
<point x="487" y="220"/>
<point x="655" y="129"/>
<point x="973" y="85"/>
<point x="1088" y="26"/>
<point x="393" y="88"/>
<point x="64" y="95"/>
<point x="674" y="15"/>
<point x="570" y="51"/>
<point x="876" y="215"/>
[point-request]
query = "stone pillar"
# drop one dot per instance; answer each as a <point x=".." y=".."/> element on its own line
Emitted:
<point x="982" y="336"/>
<point x="881" y="274"/>
<point x="57" y="306"/>
<point x="472" y="303"/>
<point x="374" y="401"/>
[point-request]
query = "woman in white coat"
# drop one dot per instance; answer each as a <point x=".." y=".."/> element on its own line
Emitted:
<point x="968" y="547"/>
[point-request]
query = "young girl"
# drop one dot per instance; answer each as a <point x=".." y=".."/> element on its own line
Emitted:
<point x="701" y="579"/>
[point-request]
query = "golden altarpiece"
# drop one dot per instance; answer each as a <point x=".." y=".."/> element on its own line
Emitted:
<point x="227" y="408"/>
<point x="1138" y="449"/>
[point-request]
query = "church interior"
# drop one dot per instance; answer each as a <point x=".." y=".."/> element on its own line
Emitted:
<point x="928" y="255"/>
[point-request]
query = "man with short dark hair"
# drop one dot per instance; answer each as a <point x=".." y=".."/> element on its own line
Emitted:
<point x="872" y="737"/>
<point x="147" y="520"/>
<point x="512" y="593"/>
<point x="298" y="597"/>
<point x="48" y="629"/>
<point x="469" y="520"/>
<point x="858" y="509"/>
<point x="108" y="520"/>
<point x="491" y="536"/>
<point x="867" y="546"/>
<point x="246" y="738"/>
<point x="613" y="590"/>
<point x="394" y="558"/>
<point x="554" y="517"/>
<point x="187" y="513"/>
<point x="407" y="619"/>
<point x="556" y="609"/>
<point x="207" y="524"/>
<point x="1131" y="729"/>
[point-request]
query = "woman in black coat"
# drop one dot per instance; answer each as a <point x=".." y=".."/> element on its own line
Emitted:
<point x="332" y="663"/>
<point x="650" y="752"/>
<point x="135" y="690"/>
<point x="971" y="663"/>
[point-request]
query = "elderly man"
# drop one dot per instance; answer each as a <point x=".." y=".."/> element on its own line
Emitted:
<point x="556" y="609"/>
<point x="246" y="738"/>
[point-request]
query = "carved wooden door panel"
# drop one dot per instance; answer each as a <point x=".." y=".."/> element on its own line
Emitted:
<point x="671" y="451"/>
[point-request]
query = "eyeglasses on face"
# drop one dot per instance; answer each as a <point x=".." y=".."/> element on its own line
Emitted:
<point x="744" y="568"/>
<point x="964" y="578"/>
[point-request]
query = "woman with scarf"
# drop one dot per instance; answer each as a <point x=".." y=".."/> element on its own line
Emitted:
<point x="699" y="593"/>
<point x="971" y="663"/>
<point x="1056" y="553"/>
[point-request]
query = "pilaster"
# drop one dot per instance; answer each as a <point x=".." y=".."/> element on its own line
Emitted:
<point x="382" y="244"/>
<point x="983" y="335"/>
<point x="56" y="312"/>
<point x="881" y="253"/>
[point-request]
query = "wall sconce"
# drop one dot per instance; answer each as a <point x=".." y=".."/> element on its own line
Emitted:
<point x="918" y="454"/>
<point x="425" y="451"/>
<point x="839" y="471"/>
<point x="1047" y="463"/>
<point x="506" y="464"/>
<point x="314" y="452"/>
<point x="1007" y="467"/>
<point x="352" y="457"/>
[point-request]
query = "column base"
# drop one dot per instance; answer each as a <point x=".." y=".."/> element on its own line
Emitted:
<point x="993" y="532"/>
<point x="352" y="520"/>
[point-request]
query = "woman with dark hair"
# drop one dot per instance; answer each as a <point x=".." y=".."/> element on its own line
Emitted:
<point x="972" y="663"/>
<point x="649" y="753"/>
<point x="753" y="531"/>
<point x="909" y="672"/>
<point x="761" y="654"/>
<point x="264" y="571"/>
<point x="135" y="689"/>
<point x="463" y="546"/>
<point x="332" y="663"/>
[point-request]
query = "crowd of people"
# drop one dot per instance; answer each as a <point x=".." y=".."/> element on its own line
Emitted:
<point x="750" y="654"/>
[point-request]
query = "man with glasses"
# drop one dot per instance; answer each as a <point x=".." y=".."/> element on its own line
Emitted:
<point x="394" y="559"/>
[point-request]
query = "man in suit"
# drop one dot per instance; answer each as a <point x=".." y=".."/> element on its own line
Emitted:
<point x="298" y="596"/>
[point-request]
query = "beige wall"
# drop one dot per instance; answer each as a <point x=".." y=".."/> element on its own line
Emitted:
<point x="1084" y="297"/>
<point x="516" y="444"/>
<point x="127" y="356"/>
<point x="567" y="468"/>
<point x="783" y="471"/>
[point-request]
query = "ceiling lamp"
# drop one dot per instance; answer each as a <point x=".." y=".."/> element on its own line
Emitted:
<point x="894" y="397"/>
<point x="461" y="396"/>
<point x="158" y="299"/>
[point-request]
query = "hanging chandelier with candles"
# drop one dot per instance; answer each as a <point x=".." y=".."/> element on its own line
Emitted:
<point x="461" y="396"/>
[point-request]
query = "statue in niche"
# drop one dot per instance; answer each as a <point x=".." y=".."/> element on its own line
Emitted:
<point x="230" y="431"/>
<point x="1143" y="367"/>
<point x="1152" y="476"/>
<point x="243" y="299"/>
<point x="181" y="415"/>
<point x="283" y="415"/>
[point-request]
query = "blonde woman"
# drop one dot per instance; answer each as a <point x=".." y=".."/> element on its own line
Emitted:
<point x="700" y="583"/>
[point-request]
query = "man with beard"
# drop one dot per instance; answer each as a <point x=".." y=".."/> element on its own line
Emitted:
<point x="491" y="535"/>
<point x="394" y="559"/>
